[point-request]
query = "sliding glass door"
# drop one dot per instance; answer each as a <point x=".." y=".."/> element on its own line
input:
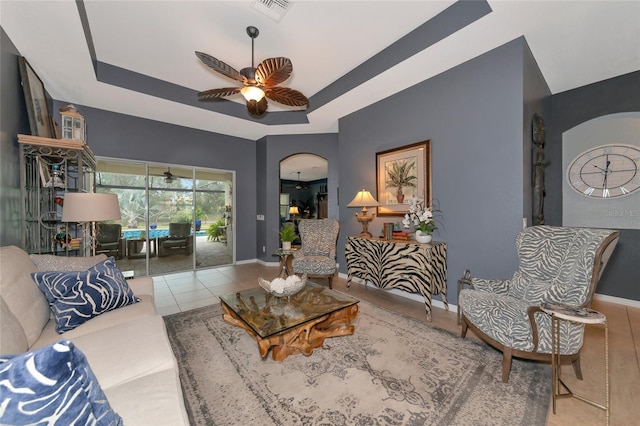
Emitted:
<point x="174" y="218"/>
<point x="213" y="214"/>
<point x="170" y="222"/>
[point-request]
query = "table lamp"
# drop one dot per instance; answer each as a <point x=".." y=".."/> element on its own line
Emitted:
<point x="293" y="211"/>
<point x="89" y="207"/>
<point x="364" y="199"/>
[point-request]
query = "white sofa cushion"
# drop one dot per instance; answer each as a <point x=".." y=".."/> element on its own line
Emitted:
<point x="142" y="286"/>
<point x="51" y="262"/>
<point x="12" y="337"/>
<point x="21" y="294"/>
<point x="154" y="400"/>
<point x="127" y="351"/>
<point x="144" y="308"/>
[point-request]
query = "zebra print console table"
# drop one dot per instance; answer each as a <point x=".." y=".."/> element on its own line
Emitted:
<point x="405" y="265"/>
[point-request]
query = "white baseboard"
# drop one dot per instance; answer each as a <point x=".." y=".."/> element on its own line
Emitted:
<point x="617" y="300"/>
<point x="440" y="304"/>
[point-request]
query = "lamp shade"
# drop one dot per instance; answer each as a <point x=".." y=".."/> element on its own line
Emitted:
<point x="252" y="93"/>
<point x="294" y="210"/>
<point x="363" y="199"/>
<point x="90" y="207"/>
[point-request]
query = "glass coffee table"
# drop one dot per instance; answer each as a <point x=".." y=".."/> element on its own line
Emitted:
<point x="291" y="325"/>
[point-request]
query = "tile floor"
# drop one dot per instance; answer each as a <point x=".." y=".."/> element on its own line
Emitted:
<point x="189" y="290"/>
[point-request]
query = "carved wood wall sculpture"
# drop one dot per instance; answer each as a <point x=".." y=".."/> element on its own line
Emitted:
<point x="538" y="172"/>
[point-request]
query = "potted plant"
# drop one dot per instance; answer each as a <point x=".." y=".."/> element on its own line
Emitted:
<point x="199" y="216"/>
<point x="421" y="218"/>
<point x="215" y="231"/>
<point x="288" y="235"/>
<point x="399" y="176"/>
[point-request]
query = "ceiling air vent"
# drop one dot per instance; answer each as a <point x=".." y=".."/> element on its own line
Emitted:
<point x="274" y="9"/>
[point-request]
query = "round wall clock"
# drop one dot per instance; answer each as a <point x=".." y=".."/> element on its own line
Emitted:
<point x="606" y="171"/>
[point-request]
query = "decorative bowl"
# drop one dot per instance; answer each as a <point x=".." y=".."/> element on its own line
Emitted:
<point x="281" y="287"/>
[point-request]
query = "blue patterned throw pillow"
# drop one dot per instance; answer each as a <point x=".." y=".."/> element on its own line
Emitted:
<point x="52" y="385"/>
<point x="76" y="297"/>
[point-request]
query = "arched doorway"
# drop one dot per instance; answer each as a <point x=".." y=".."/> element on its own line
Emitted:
<point x="303" y="184"/>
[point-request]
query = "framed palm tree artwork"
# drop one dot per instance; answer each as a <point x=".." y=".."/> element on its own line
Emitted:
<point x="401" y="174"/>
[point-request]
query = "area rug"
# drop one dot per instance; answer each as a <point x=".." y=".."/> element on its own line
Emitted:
<point x="394" y="370"/>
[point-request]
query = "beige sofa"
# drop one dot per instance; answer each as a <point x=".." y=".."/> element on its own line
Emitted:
<point x="127" y="348"/>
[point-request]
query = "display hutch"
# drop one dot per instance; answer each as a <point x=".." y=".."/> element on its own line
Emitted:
<point x="49" y="169"/>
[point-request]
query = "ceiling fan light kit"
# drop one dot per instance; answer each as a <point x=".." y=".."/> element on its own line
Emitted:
<point x="299" y="184"/>
<point x="258" y="84"/>
<point x="252" y="93"/>
<point x="168" y="176"/>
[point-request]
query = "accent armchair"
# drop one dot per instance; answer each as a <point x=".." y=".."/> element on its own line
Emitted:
<point x="317" y="254"/>
<point x="557" y="264"/>
<point x="109" y="240"/>
<point x="179" y="240"/>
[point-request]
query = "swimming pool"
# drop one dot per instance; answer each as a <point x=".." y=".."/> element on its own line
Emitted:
<point x="153" y="233"/>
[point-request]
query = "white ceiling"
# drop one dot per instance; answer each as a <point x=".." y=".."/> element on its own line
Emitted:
<point x="574" y="42"/>
<point x="304" y="168"/>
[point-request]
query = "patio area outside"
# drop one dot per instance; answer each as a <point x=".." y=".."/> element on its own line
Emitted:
<point x="208" y="254"/>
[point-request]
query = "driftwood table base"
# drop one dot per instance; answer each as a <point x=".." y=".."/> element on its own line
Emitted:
<point x="301" y="339"/>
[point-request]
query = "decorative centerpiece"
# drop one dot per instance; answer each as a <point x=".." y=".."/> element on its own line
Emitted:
<point x="422" y="220"/>
<point x="281" y="287"/>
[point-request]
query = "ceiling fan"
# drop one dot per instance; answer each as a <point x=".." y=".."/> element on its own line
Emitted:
<point x="257" y="83"/>
<point x="170" y="177"/>
<point x="299" y="184"/>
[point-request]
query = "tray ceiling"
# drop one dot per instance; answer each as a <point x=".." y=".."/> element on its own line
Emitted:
<point x="346" y="54"/>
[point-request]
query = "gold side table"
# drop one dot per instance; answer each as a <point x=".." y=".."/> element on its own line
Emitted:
<point x="286" y="259"/>
<point x="560" y="312"/>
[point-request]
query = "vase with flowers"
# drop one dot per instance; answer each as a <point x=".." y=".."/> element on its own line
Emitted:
<point x="421" y="218"/>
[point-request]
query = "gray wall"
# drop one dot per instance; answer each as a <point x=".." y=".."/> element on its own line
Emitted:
<point x="473" y="115"/>
<point x="536" y="95"/>
<point x="573" y="107"/>
<point x="478" y="116"/>
<point x="13" y="120"/>
<point x="262" y="197"/>
<point x="116" y="135"/>
<point x="273" y="149"/>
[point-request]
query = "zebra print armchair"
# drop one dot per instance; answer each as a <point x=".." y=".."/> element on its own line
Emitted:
<point x="557" y="264"/>
<point x="317" y="254"/>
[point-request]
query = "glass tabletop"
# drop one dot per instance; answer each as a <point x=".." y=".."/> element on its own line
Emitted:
<point x="580" y="314"/>
<point x="282" y="252"/>
<point x="268" y="315"/>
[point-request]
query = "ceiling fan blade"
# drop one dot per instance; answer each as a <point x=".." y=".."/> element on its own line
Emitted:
<point x="219" y="66"/>
<point x="273" y="71"/>
<point x="214" y="94"/>
<point x="257" y="109"/>
<point x="286" y="96"/>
